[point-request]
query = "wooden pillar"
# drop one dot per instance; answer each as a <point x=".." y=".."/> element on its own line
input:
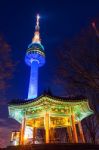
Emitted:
<point x="74" y="129"/>
<point x="23" y="131"/>
<point x="69" y="131"/>
<point x="34" y="131"/>
<point x="46" y="119"/>
<point x="34" y="134"/>
<point x="81" y="132"/>
<point x="52" y="134"/>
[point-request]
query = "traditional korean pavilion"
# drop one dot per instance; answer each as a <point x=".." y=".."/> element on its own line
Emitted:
<point x="46" y="112"/>
<point x="49" y="112"/>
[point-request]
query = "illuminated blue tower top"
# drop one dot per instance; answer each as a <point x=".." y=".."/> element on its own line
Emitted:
<point x="35" y="57"/>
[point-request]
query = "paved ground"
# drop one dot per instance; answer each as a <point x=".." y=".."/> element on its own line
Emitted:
<point x="55" y="147"/>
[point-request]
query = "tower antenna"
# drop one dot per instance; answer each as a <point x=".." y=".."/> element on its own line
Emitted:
<point x="37" y="22"/>
<point x="36" y="38"/>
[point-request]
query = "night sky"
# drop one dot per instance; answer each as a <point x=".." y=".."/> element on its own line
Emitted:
<point x="60" y="20"/>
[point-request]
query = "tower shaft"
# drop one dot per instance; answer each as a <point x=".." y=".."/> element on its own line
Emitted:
<point x="33" y="84"/>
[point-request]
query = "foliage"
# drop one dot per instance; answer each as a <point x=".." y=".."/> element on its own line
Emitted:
<point x="6" y="64"/>
<point x="91" y="129"/>
<point x="79" y="63"/>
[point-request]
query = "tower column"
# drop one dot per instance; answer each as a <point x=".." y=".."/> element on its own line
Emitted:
<point x="47" y="134"/>
<point x="74" y="129"/>
<point x="22" y="131"/>
<point x="33" y="84"/>
<point x="35" y="58"/>
<point x="81" y="132"/>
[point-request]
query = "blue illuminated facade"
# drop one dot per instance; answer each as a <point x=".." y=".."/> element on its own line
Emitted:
<point x="35" y="58"/>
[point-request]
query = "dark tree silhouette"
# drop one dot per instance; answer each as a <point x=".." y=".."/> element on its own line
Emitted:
<point x="6" y="65"/>
<point x="79" y="62"/>
<point x="91" y="129"/>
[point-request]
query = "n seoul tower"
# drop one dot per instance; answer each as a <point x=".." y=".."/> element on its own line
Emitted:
<point x="35" y="58"/>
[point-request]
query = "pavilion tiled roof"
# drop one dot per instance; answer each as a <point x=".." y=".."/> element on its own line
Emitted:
<point x="58" y="98"/>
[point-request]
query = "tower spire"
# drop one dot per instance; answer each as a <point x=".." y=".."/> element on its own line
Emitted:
<point x="37" y="22"/>
<point x="36" y="38"/>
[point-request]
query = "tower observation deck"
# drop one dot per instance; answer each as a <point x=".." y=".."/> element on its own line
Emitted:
<point x="35" y="58"/>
